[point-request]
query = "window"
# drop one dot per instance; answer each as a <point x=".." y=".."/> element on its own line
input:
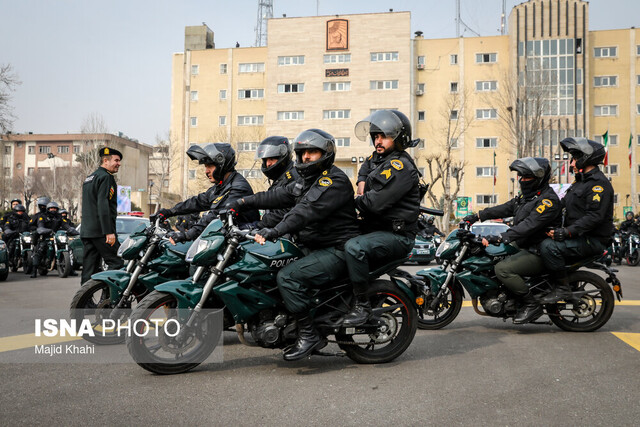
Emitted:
<point x="384" y="56"/>
<point x="486" y="86"/>
<point x="421" y="61"/>
<point x="250" y="120"/>
<point x="420" y="88"/>
<point x="337" y="58"/>
<point x="637" y="108"/>
<point x="485" y="171"/>
<point x="605" y="52"/>
<point x="223" y="68"/>
<point x="453" y="59"/>
<point x="7" y="149"/>
<point x="603" y="81"/>
<point x="611" y="169"/>
<point x="76" y="149"/>
<point x="63" y="149"/>
<point x="638" y="79"/>
<point x="250" y="93"/>
<point x="343" y="142"/>
<point x="453" y="87"/>
<point x="7" y="171"/>
<point x="195" y="69"/>
<point x="578" y="106"/>
<point x="290" y="115"/>
<point x="486" y="199"/>
<point x="421" y="116"/>
<point x="291" y="60"/>
<point x="290" y="87"/>
<point x="347" y="171"/>
<point x="247" y="146"/>
<point x="222" y="120"/>
<point x="613" y="139"/>
<point x="336" y="114"/>
<point x="223" y="94"/>
<point x="30" y="171"/>
<point x="383" y="84"/>
<point x="453" y="143"/>
<point x="31" y="149"/>
<point x="486" y="58"/>
<point x="420" y="146"/>
<point x="453" y="115"/>
<point x="638" y="49"/>
<point x="194" y="95"/>
<point x="194" y="122"/>
<point x="250" y="173"/>
<point x="336" y="86"/>
<point x="19" y="144"/>
<point x="486" y="142"/>
<point x="251" y="67"/>
<point x="605" y="110"/>
<point x="192" y="174"/>
<point x="44" y="149"/>
<point x="165" y="183"/>
<point x="487" y="113"/>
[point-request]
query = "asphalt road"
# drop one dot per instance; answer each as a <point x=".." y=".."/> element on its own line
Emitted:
<point x="476" y="371"/>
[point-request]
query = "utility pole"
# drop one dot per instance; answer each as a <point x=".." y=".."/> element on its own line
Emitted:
<point x="503" y="18"/>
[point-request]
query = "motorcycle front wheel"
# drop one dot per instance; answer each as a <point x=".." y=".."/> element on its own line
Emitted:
<point x="395" y="333"/>
<point x="93" y="301"/>
<point x="447" y="309"/>
<point x="157" y="350"/>
<point x="594" y="310"/>
<point x="64" y="264"/>
<point x="27" y="263"/>
<point x="634" y="258"/>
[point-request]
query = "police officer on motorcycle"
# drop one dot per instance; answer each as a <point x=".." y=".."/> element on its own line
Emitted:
<point x="389" y="206"/>
<point x="65" y="215"/>
<point x="588" y="217"/>
<point x="323" y="216"/>
<point x="630" y="225"/>
<point x="47" y="224"/>
<point x="219" y="160"/>
<point x="534" y="210"/>
<point x="15" y="223"/>
<point x="427" y="228"/>
<point x="4" y="219"/>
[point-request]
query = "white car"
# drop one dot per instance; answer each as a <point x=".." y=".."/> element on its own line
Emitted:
<point x="489" y="228"/>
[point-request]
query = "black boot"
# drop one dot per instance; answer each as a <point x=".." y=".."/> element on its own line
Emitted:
<point x="34" y="272"/>
<point x="529" y="311"/>
<point x="308" y="341"/>
<point x="359" y="314"/>
<point x="561" y="291"/>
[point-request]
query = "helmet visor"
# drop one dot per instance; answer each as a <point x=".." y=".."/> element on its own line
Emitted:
<point x="527" y="166"/>
<point x="383" y="121"/>
<point x="578" y="147"/>
<point x="309" y="139"/>
<point x="266" y="151"/>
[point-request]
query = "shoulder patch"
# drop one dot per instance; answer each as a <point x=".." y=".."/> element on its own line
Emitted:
<point x="597" y="189"/>
<point x="386" y="173"/>
<point x="547" y="202"/>
<point x="288" y="175"/>
<point x="596" y="198"/>
<point x="218" y="199"/>
<point x="325" y="181"/>
<point x="397" y="164"/>
<point x="89" y="178"/>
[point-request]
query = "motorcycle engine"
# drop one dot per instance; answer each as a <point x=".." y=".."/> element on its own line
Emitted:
<point x="267" y="330"/>
<point x="494" y="304"/>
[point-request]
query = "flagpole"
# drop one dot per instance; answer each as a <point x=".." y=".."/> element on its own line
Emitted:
<point x="493" y="190"/>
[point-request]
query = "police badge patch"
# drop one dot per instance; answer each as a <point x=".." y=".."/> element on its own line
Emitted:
<point x="325" y="181"/>
<point x="597" y="189"/>
<point x="397" y="164"/>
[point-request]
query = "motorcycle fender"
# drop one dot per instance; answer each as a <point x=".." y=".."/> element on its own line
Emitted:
<point x="59" y="252"/>
<point x="243" y="303"/>
<point x="404" y="288"/>
<point x="436" y="277"/>
<point x="117" y="280"/>
<point x="185" y="291"/>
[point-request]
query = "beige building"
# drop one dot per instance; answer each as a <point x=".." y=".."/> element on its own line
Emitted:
<point x="477" y="103"/>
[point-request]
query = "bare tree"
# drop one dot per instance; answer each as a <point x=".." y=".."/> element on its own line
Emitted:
<point x="8" y="82"/>
<point x="23" y="185"/>
<point x="445" y="170"/>
<point x="161" y="169"/>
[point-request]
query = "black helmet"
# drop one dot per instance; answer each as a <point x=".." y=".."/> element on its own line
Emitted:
<point x="16" y="200"/>
<point x="42" y="202"/>
<point x="220" y="154"/>
<point x="585" y="151"/>
<point x="431" y="219"/>
<point x="534" y="167"/>
<point x="274" y="147"/>
<point x="19" y="207"/>
<point x="53" y="205"/>
<point x="63" y="212"/>
<point x="627" y="215"/>
<point x="319" y="140"/>
<point x="391" y="123"/>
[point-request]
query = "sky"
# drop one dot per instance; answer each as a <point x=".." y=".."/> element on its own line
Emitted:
<point x="76" y="58"/>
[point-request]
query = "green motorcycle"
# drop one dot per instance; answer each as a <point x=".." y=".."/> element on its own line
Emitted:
<point x="150" y="260"/>
<point x="242" y="284"/>
<point x="469" y="266"/>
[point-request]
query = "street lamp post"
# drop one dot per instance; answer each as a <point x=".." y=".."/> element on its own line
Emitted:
<point x="51" y="157"/>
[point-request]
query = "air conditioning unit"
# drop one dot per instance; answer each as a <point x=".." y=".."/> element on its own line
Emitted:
<point x="420" y="66"/>
<point x="419" y="92"/>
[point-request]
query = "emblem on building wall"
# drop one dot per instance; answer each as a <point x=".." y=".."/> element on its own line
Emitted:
<point x="338" y="34"/>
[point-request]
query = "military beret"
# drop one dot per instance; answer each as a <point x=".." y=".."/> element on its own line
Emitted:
<point x="106" y="151"/>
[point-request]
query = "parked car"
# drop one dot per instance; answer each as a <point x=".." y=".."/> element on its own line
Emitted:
<point x="424" y="249"/>
<point x="489" y="228"/>
<point x="125" y="225"/>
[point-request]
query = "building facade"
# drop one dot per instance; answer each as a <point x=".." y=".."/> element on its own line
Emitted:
<point x="477" y="103"/>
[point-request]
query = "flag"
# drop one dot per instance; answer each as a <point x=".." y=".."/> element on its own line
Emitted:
<point x="562" y="170"/>
<point x="494" y="167"/>
<point x="630" y="149"/>
<point x="605" y="141"/>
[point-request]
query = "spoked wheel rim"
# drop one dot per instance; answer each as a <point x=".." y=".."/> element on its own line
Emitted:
<point x="447" y="309"/>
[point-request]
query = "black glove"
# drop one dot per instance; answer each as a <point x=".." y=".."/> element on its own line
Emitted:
<point x="73" y="232"/>
<point x="235" y="205"/>
<point x="177" y="236"/>
<point x="559" y="234"/>
<point x="162" y="214"/>
<point x="494" y="240"/>
<point x="471" y="218"/>
<point x="268" y="233"/>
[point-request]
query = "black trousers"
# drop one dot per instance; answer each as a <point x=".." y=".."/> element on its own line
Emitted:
<point x="96" y="249"/>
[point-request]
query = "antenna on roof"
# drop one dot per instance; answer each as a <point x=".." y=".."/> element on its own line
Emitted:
<point x="265" y="12"/>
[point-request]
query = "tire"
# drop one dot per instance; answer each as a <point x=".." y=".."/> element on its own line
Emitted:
<point x="91" y="298"/>
<point x="15" y="263"/>
<point x="3" y="276"/>
<point x="43" y="271"/>
<point x="634" y="259"/>
<point x="27" y="262"/>
<point x="139" y="347"/>
<point x="402" y="323"/>
<point x="596" y="310"/>
<point x="447" y="310"/>
<point x="64" y="264"/>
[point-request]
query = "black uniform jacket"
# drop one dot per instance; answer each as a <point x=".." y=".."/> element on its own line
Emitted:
<point x="391" y="196"/>
<point x="51" y="222"/>
<point x="428" y="230"/>
<point x="15" y="224"/>
<point x="322" y="209"/>
<point x="589" y="204"/>
<point x="372" y="162"/>
<point x="630" y="226"/>
<point x="532" y="217"/>
<point x="272" y="217"/>
<point x="99" y="204"/>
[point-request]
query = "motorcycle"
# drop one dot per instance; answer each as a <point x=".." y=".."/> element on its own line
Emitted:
<point x="13" y="249"/>
<point x="242" y="285"/>
<point x="469" y="266"/>
<point x="150" y="260"/>
<point x="616" y="248"/>
<point x="632" y="248"/>
<point x="26" y="251"/>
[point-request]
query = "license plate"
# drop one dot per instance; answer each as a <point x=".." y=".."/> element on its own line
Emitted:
<point x="422" y="251"/>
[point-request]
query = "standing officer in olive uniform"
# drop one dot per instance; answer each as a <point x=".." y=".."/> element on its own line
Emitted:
<point x="323" y="216"/>
<point x="389" y="207"/>
<point x="588" y="219"/>
<point x="99" y="211"/>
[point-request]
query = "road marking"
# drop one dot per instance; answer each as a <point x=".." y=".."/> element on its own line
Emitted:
<point x="19" y="342"/>
<point x="627" y="302"/>
<point x="630" y="338"/>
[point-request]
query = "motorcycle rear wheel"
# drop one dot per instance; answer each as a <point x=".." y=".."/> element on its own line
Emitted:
<point x="597" y="307"/>
<point x="88" y="302"/>
<point x="634" y="259"/>
<point x="145" y="348"/>
<point x="64" y="264"/>
<point x="447" y="310"/>
<point x="401" y="325"/>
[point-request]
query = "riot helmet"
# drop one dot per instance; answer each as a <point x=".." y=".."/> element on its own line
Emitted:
<point x="391" y="123"/>
<point x="52" y="205"/>
<point x="314" y="139"/>
<point x="585" y="151"/>
<point x="219" y="154"/>
<point x="16" y="201"/>
<point x="430" y="220"/>
<point x="629" y="216"/>
<point x="64" y="213"/>
<point x="537" y="168"/>
<point x="42" y="203"/>
<point x="274" y="147"/>
<point x="19" y="208"/>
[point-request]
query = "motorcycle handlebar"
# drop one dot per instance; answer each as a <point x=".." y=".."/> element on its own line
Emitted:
<point x="431" y="211"/>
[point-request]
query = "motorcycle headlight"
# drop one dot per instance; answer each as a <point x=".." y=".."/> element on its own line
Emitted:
<point x="62" y="239"/>
<point x="443" y="247"/>
<point x="636" y="239"/>
<point x="198" y="246"/>
<point x="128" y="242"/>
<point x="27" y="239"/>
